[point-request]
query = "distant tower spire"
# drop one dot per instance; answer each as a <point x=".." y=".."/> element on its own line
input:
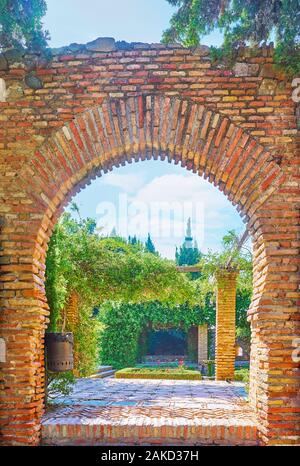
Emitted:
<point x="189" y="228"/>
<point x="113" y="233"/>
<point x="188" y="241"/>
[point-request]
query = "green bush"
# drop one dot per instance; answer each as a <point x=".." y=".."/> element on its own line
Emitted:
<point x="161" y="364"/>
<point x="59" y="383"/>
<point x="242" y="375"/>
<point x="97" y="269"/>
<point x="124" y="324"/>
<point x="180" y="373"/>
<point x="210" y="367"/>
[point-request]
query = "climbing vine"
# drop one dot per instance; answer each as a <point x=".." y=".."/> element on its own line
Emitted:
<point x="121" y="344"/>
<point x="98" y="269"/>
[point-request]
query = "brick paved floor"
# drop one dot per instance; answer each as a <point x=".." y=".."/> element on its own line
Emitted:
<point x="163" y="412"/>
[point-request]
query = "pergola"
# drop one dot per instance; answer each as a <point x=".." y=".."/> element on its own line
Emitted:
<point x="225" y="323"/>
<point x="225" y="316"/>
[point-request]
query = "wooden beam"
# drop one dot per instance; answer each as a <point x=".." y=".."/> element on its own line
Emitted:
<point x="188" y="268"/>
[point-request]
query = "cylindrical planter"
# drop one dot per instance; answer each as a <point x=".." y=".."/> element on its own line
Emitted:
<point x="59" y="351"/>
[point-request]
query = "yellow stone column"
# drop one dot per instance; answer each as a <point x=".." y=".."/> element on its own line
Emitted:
<point x="202" y="343"/>
<point x="225" y="325"/>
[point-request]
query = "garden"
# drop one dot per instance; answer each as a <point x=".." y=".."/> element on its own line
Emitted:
<point x="113" y="293"/>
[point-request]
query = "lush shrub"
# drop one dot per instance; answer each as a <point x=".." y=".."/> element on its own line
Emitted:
<point x="124" y="324"/>
<point x="242" y="375"/>
<point x="59" y="383"/>
<point x="100" y="269"/>
<point x="179" y="373"/>
<point x="210" y="364"/>
<point x="86" y="342"/>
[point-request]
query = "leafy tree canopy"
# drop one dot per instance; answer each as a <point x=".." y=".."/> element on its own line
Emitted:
<point x="99" y="269"/>
<point x="21" y="24"/>
<point x="243" y="22"/>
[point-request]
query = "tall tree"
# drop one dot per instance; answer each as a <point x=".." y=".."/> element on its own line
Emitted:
<point x="188" y="253"/>
<point x="149" y="245"/>
<point x="21" y="24"/>
<point x="187" y="256"/>
<point x="242" y="22"/>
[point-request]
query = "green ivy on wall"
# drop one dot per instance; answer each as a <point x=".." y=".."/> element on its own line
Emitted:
<point x="124" y="325"/>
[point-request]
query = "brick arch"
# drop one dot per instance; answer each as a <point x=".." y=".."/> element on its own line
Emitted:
<point x="144" y="127"/>
<point x="138" y="128"/>
<point x="120" y="131"/>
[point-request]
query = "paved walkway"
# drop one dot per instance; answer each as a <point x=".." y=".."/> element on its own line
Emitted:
<point x="151" y="412"/>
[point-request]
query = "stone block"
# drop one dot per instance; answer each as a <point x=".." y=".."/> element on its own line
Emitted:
<point x="202" y="50"/>
<point x="102" y="44"/>
<point x="245" y="69"/>
<point x="269" y="70"/>
<point x="267" y="87"/>
<point x="33" y="82"/>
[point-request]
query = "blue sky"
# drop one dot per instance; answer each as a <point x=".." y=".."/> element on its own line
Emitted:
<point x="150" y="195"/>
<point x="131" y="20"/>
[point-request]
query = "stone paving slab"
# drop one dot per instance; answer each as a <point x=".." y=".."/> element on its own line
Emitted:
<point x="133" y="411"/>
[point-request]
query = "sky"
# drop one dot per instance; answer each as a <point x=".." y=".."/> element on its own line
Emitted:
<point x="131" y="20"/>
<point x="150" y="196"/>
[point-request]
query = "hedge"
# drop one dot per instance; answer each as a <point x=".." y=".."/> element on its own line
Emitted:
<point x="169" y="374"/>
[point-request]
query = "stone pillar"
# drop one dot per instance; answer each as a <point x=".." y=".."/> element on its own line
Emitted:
<point x="202" y="343"/>
<point x="225" y="325"/>
<point x="72" y="320"/>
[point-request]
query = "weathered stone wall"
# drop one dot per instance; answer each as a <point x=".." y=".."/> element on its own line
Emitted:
<point x="65" y="121"/>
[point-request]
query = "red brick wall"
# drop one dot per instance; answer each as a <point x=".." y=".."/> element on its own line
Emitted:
<point x="96" y="109"/>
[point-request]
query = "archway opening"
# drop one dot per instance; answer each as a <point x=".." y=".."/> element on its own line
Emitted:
<point x="109" y="230"/>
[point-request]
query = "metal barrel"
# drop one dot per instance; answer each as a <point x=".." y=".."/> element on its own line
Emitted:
<point x="59" y="351"/>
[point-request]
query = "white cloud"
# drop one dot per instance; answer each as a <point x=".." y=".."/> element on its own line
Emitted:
<point x="185" y="190"/>
<point x="172" y="188"/>
<point x="128" y="183"/>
